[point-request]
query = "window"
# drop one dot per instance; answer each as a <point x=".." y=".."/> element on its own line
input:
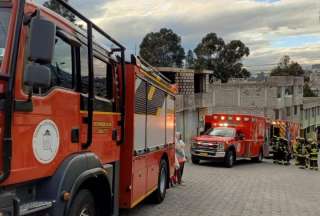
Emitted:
<point x="61" y="67"/>
<point x="221" y="132"/>
<point x="288" y="111"/>
<point x="279" y="92"/>
<point x="84" y="70"/>
<point x="199" y="83"/>
<point x="102" y="79"/>
<point x="300" y="90"/>
<point x="295" y="110"/>
<point x="289" y="90"/>
<point x="4" y="22"/>
<point x="276" y="114"/>
<point x="313" y="112"/>
<point x="103" y="82"/>
<point x="306" y="114"/>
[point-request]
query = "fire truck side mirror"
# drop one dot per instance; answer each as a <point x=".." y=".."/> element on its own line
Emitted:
<point x="37" y="76"/>
<point x="41" y="41"/>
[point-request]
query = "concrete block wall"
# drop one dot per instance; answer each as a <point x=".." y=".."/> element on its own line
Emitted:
<point x="185" y="82"/>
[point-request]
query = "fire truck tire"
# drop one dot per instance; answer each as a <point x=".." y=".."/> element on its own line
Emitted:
<point x="83" y="204"/>
<point x="229" y="159"/>
<point x="195" y="160"/>
<point x="259" y="158"/>
<point x="159" y="195"/>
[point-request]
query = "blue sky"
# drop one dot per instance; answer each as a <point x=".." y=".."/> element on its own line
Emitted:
<point x="295" y="41"/>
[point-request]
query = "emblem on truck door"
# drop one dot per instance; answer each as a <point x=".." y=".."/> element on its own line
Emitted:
<point x="46" y="141"/>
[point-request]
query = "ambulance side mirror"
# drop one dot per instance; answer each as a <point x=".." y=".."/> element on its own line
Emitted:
<point x="240" y="136"/>
<point x="41" y="41"/>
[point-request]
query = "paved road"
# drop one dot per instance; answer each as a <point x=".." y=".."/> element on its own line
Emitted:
<point x="248" y="189"/>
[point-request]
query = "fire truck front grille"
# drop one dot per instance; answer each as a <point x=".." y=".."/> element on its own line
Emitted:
<point x="207" y="147"/>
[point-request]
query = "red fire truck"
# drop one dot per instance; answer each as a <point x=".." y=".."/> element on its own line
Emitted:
<point x="82" y="131"/>
<point x="230" y="137"/>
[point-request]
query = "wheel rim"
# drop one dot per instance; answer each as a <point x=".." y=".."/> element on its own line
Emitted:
<point x="260" y="156"/>
<point x="231" y="159"/>
<point x="162" y="181"/>
<point x="85" y="212"/>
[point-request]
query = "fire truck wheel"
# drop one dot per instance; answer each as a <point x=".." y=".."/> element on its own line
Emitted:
<point x="160" y="193"/>
<point x="229" y="159"/>
<point x="83" y="204"/>
<point x="195" y="160"/>
<point x="259" y="158"/>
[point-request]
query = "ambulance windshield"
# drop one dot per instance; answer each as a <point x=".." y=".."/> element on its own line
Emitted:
<point x="4" y="22"/>
<point x="221" y="132"/>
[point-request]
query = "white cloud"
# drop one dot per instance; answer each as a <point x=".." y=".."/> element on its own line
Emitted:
<point x="258" y="24"/>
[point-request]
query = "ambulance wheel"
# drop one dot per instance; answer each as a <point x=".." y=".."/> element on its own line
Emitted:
<point x="160" y="193"/>
<point x="258" y="159"/>
<point x="195" y="160"/>
<point x="229" y="159"/>
<point x="83" y="204"/>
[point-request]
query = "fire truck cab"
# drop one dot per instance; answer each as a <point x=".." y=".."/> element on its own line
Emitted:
<point x="230" y="137"/>
<point x="82" y="131"/>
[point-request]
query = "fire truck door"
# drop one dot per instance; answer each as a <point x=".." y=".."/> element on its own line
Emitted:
<point x="106" y="130"/>
<point x="46" y="127"/>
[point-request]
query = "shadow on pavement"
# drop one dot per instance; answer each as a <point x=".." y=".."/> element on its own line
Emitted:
<point x="243" y="162"/>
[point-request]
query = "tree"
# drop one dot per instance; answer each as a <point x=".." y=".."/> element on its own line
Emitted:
<point x="223" y="59"/>
<point x="286" y="67"/>
<point x="55" y="6"/>
<point x="307" y="92"/>
<point x="190" y="59"/>
<point x="162" y="49"/>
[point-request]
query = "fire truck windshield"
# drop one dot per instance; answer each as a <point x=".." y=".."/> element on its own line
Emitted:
<point x="4" y="22"/>
<point x="221" y="132"/>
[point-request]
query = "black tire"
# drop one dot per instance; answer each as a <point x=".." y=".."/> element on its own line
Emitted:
<point x="83" y="204"/>
<point x="258" y="159"/>
<point x="159" y="195"/>
<point x="195" y="160"/>
<point x="229" y="159"/>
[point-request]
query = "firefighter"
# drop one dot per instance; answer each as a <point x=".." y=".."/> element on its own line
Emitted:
<point x="287" y="152"/>
<point x="308" y="152"/>
<point x="313" y="155"/>
<point x="275" y="149"/>
<point x="299" y="152"/>
<point x="284" y="155"/>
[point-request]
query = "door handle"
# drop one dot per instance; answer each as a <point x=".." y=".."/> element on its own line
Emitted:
<point x="75" y="135"/>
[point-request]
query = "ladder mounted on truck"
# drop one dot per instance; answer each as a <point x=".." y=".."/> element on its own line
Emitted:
<point x="119" y="49"/>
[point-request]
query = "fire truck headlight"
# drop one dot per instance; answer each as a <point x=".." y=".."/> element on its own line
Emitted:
<point x="220" y="146"/>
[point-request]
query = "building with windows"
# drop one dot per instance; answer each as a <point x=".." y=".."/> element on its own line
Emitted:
<point x="192" y="101"/>
<point x="310" y="120"/>
<point x="276" y="97"/>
